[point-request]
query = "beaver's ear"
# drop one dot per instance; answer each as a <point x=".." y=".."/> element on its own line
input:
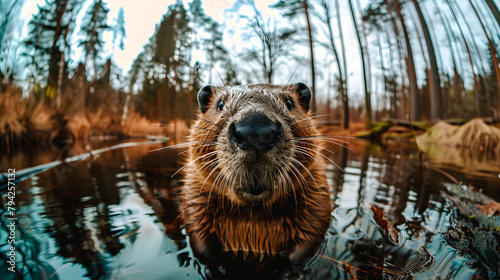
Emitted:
<point x="204" y="97"/>
<point x="304" y="95"/>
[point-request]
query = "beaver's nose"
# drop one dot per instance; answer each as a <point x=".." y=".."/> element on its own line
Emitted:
<point x="256" y="132"/>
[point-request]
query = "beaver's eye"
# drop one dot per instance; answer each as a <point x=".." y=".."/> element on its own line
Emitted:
<point x="289" y="105"/>
<point x="221" y="105"/>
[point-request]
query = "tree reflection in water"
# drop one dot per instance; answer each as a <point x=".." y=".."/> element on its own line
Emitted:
<point x="115" y="215"/>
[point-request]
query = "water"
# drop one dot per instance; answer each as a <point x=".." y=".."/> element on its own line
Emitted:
<point x="113" y="216"/>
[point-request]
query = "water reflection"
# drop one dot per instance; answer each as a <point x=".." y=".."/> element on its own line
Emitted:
<point x="394" y="181"/>
<point x="115" y="215"/>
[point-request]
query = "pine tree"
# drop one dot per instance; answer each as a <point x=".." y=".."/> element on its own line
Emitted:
<point x="119" y="30"/>
<point x="293" y="9"/>
<point x="9" y="28"/>
<point x="37" y="47"/>
<point x="211" y="44"/>
<point x="94" y="24"/>
<point x="47" y="47"/>
<point x="273" y="41"/>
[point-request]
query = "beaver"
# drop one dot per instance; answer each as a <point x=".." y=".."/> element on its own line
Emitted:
<point x="254" y="183"/>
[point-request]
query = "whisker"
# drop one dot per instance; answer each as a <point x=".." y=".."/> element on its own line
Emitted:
<point x="206" y="145"/>
<point x="211" y="189"/>
<point x="337" y="142"/>
<point x="326" y="158"/>
<point x="306" y="137"/>
<point x="302" y="176"/>
<point x="290" y="182"/>
<point x="313" y="117"/>
<point x="220" y="77"/>
<point x="180" y="145"/>
<point x="293" y="170"/>
<point x="218" y="177"/>
<point x="223" y="180"/>
<point x="198" y="158"/>
<point x="211" y="164"/>
<point x="184" y="125"/>
<point x="305" y="143"/>
<point x="294" y="70"/>
<point x="281" y="184"/>
<point x="335" y="136"/>
<point x="307" y="170"/>
<point x="343" y="263"/>
<point x="304" y="127"/>
<point x="294" y="193"/>
<point x="294" y="118"/>
<point x="204" y="166"/>
<point x="205" y="120"/>
<point x="271" y="213"/>
<point x="340" y="145"/>
<point x="306" y="153"/>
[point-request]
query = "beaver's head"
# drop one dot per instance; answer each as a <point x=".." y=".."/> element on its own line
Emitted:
<point x="248" y="145"/>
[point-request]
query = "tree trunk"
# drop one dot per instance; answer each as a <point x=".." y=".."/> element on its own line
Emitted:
<point x="410" y="64"/>
<point x="345" y="96"/>
<point x="458" y="85"/>
<point x="367" y="56"/>
<point x="494" y="10"/>
<point x="93" y="33"/>
<point x="368" y="106"/>
<point x="59" y="82"/>
<point x="483" y="98"/>
<point x="403" y="108"/>
<point x="392" y="75"/>
<point x="471" y="60"/>
<point x="492" y="51"/>
<point x="55" y="53"/>
<point x="311" y="52"/>
<point x="382" y="67"/>
<point x="436" y="100"/>
<point x="345" y="115"/>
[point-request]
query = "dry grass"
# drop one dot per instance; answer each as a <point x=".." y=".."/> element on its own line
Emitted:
<point x="13" y="111"/>
<point x="474" y="135"/>
<point x="473" y="147"/>
<point x="137" y="125"/>
<point x="25" y="120"/>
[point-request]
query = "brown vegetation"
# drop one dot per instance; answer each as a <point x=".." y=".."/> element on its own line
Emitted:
<point x="31" y="120"/>
<point x="474" y="147"/>
<point x="475" y="135"/>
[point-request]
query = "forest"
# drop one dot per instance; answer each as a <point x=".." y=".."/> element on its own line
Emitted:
<point x="98" y="97"/>
<point x="418" y="61"/>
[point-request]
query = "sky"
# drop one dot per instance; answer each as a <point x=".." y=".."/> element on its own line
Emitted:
<point x="142" y="16"/>
<point x="140" y="19"/>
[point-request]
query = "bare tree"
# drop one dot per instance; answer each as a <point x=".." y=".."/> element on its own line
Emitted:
<point x="458" y="83"/>
<point x="292" y="10"/>
<point x="410" y="64"/>
<point x="273" y="41"/>
<point x="435" y="86"/>
<point x="362" y="50"/>
<point x="468" y="49"/>
<point x="494" y="10"/>
<point x="492" y="50"/>
<point x="325" y="17"/>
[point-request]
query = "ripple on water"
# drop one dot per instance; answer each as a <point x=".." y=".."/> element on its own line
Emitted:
<point x="114" y="216"/>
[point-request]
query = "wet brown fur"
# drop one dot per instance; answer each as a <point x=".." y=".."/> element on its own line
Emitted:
<point x="291" y="217"/>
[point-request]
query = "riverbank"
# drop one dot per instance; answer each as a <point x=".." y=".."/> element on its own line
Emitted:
<point x="27" y="121"/>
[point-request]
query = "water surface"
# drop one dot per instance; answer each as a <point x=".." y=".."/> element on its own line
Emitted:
<point x="113" y="216"/>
